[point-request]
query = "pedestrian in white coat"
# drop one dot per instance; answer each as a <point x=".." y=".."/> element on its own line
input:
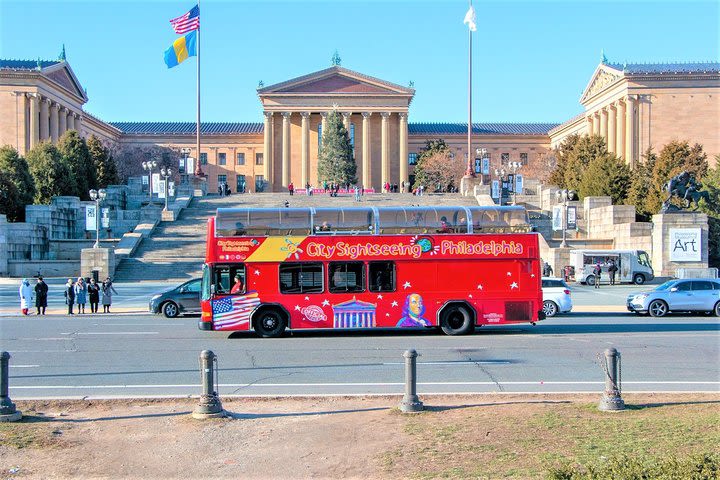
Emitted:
<point x="26" y="292"/>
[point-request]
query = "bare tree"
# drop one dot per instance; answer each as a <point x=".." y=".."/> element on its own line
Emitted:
<point x="439" y="169"/>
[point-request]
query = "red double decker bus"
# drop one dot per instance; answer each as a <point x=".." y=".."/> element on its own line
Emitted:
<point x="455" y="268"/>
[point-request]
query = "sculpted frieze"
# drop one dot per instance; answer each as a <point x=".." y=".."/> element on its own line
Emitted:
<point x="601" y="81"/>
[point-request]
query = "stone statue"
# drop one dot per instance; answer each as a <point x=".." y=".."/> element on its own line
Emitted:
<point x="683" y="186"/>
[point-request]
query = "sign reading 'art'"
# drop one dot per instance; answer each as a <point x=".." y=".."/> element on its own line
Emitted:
<point x="685" y="244"/>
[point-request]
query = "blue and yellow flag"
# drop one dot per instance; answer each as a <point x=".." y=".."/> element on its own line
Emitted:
<point x="181" y="49"/>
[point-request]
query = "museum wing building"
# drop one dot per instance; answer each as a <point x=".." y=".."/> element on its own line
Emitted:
<point x="633" y="106"/>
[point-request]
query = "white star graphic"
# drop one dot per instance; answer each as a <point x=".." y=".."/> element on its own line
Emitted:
<point x="257" y="272"/>
<point x="379" y="297"/>
<point x="297" y="307"/>
<point x="387" y="314"/>
<point x="394" y="304"/>
<point x="407" y="285"/>
<point x="307" y="298"/>
<point x="480" y="287"/>
<point x="325" y="303"/>
<point x="509" y="274"/>
<point x="470" y="296"/>
<point x="532" y="275"/>
<point x="513" y="285"/>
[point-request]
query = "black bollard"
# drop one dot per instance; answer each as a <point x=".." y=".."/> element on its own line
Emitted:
<point x="209" y="406"/>
<point x="8" y="412"/>
<point x="611" y="400"/>
<point x="411" y="402"/>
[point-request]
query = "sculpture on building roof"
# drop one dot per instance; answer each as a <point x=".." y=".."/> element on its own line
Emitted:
<point x="62" y="54"/>
<point x="685" y="187"/>
<point x="336" y="59"/>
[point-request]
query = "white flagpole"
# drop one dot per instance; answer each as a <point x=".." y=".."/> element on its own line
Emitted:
<point x="470" y="170"/>
<point x="198" y="168"/>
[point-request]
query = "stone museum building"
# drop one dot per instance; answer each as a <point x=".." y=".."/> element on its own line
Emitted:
<point x="633" y="106"/>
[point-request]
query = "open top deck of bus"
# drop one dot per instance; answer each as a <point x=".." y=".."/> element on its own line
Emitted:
<point x="233" y="222"/>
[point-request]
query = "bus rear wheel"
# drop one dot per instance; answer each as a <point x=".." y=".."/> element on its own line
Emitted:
<point x="457" y="320"/>
<point x="270" y="324"/>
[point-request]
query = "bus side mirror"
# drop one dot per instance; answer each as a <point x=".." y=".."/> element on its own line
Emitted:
<point x="212" y="289"/>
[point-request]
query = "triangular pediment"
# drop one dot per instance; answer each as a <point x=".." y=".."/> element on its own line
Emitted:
<point x="335" y="80"/>
<point x="62" y="74"/>
<point x="603" y="77"/>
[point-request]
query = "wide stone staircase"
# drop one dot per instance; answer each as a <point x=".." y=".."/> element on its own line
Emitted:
<point x="176" y="250"/>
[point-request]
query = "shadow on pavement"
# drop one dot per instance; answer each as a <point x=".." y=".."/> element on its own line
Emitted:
<point x="47" y="419"/>
<point x="250" y="416"/>
<point x="643" y="406"/>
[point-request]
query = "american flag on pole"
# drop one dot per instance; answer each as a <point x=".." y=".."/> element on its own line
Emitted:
<point x="233" y="311"/>
<point x="188" y="22"/>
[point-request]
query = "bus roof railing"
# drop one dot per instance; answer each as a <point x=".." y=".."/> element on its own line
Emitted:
<point x="232" y="222"/>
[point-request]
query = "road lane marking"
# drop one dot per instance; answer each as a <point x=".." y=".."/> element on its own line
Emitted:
<point x="139" y="324"/>
<point x="24" y="366"/>
<point x="110" y="333"/>
<point x="463" y="362"/>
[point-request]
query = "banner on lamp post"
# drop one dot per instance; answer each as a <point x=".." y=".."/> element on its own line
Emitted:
<point x="161" y="190"/>
<point x="90" y="217"/>
<point x="495" y="189"/>
<point x="171" y="189"/>
<point x="518" y="183"/>
<point x="105" y="217"/>
<point x="572" y="218"/>
<point x="557" y="220"/>
<point x="156" y="182"/>
<point x="486" y="166"/>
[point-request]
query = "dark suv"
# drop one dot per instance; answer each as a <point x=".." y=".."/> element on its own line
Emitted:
<point x="184" y="298"/>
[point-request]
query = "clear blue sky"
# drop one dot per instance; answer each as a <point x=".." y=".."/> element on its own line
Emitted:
<point x="531" y="59"/>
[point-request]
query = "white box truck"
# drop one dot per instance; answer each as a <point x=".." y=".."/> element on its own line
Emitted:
<point x="633" y="266"/>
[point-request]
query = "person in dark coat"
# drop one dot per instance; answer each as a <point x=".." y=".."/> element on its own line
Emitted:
<point x="70" y="295"/>
<point x="41" y="293"/>
<point x="93" y="295"/>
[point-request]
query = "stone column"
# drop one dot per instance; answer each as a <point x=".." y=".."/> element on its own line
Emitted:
<point x="62" y="127"/>
<point x="596" y="123"/>
<point x="34" y="119"/>
<point x="77" y="123"/>
<point x="604" y="124"/>
<point x="54" y="108"/>
<point x="323" y="115"/>
<point x="611" y="128"/>
<point x="620" y="134"/>
<point x="589" y="127"/>
<point x="630" y="131"/>
<point x="385" y="148"/>
<point x="346" y="121"/>
<point x="22" y="133"/>
<point x="305" y="153"/>
<point x="45" y="119"/>
<point x="267" y="150"/>
<point x="366" y="174"/>
<point x="286" y="149"/>
<point x="70" y="120"/>
<point x="403" y="148"/>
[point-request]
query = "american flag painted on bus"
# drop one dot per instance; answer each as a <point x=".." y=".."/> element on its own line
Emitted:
<point x="234" y="311"/>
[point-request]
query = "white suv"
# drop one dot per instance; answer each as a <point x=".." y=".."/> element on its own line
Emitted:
<point x="556" y="296"/>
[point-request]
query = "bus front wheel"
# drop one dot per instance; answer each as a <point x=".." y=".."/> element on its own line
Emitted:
<point x="457" y="320"/>
<point x="270" y="324"/>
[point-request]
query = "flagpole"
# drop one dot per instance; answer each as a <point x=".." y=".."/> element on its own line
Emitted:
<point x="469" y="171"/>
<point x="198" y="168"/>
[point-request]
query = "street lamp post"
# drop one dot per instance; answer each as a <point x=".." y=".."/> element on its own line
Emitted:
<point x="97" y="196"/>
<point x="166" y="173"/>
<point x="515" y="166"/>
<point x="563" y="196"/>
<point x="501" y="178"/>
<point x="149" y="166"/>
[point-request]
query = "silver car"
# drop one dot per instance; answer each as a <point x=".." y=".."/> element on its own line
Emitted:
<point x="678" y="296"/>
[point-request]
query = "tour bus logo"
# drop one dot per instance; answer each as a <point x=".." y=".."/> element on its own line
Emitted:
<point x="237" y="245"/>
<point x="292" y="249"/>
<point x="426" y="244"/>
<point x="314" y="313"/>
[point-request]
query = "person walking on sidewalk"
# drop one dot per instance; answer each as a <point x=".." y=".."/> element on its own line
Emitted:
<point x="597" y="271"/>
<point x="107" y="293"/>
<point x="41" y="293"/>
<point x="93" y="295"/>
<point x="70" y="295"/>
<point x="25" y="295"/>
<point x="81" y="294"/>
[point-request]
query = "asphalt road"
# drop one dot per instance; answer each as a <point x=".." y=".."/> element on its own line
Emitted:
<point x="142" y="355"/>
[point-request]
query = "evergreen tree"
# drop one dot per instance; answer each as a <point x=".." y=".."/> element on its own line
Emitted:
<point x="426" y="171"/>
<point x="711" y="183"/>
<point x="562" y="153"/>
<point x="9" y="206"/>
<point x="104" y="164"/>
<point x="335" y="159"/>
<point x="17" y="172"/>
<point x="77" y="157"/>
<point x="640" y="186"/>
<point x="50" y="173"/>
<point x="586" y="149"/>
<point x="605" y="175"/>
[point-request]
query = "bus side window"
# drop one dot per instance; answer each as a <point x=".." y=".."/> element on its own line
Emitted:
<point x="224" y="279"/>
<point x="346" y="277"/>
<point x="381" y="276"/>
<point x="301" y="278"/>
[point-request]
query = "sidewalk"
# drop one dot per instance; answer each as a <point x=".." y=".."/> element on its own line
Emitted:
<point x="57" y="312"/>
